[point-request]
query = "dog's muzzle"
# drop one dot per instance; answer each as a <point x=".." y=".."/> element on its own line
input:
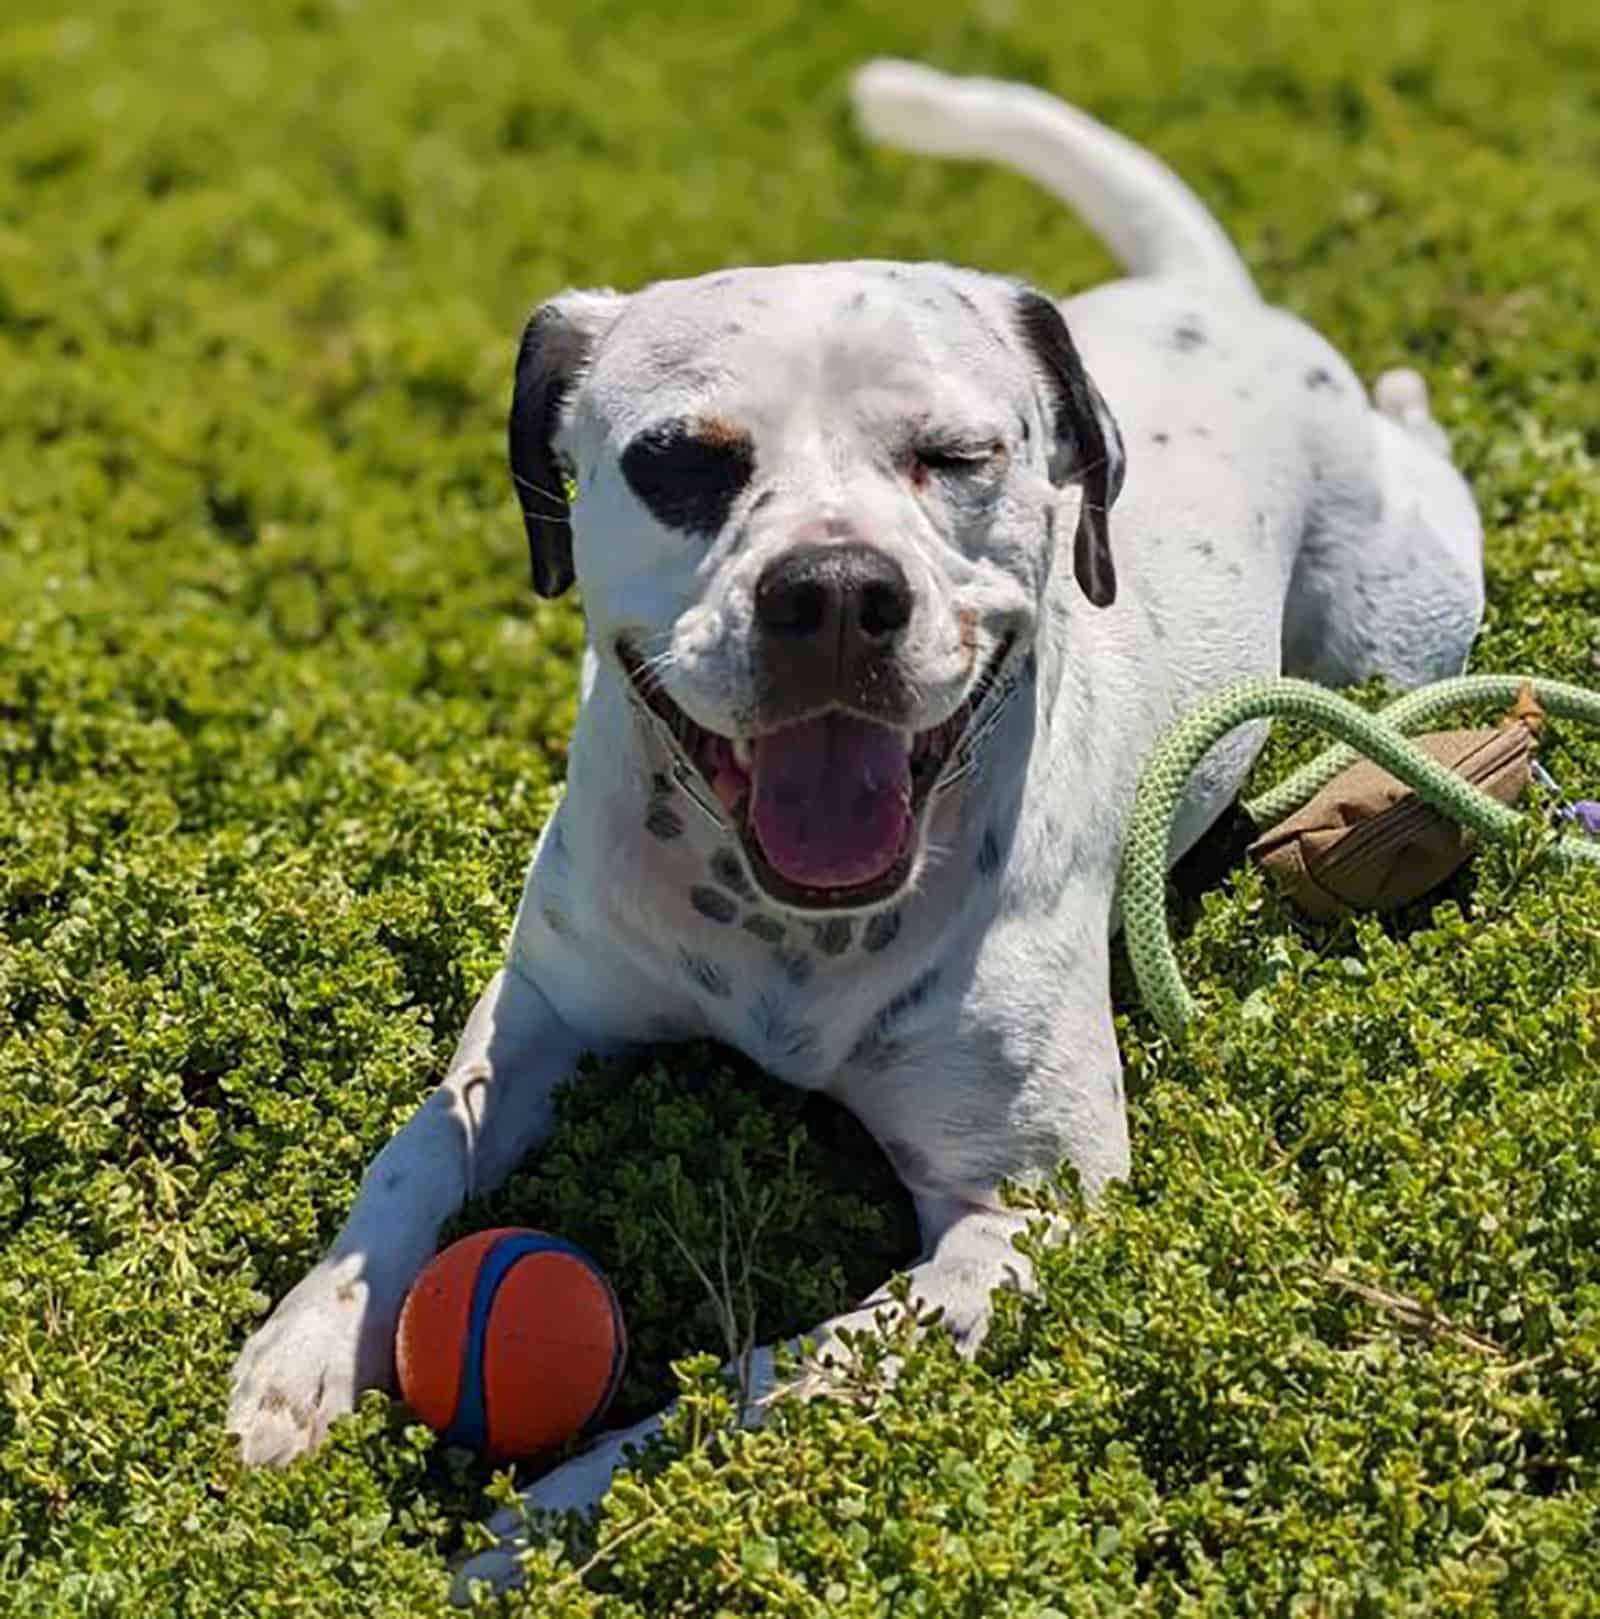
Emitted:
<point x="828" y="806"/>
<point x="829" y="777"/>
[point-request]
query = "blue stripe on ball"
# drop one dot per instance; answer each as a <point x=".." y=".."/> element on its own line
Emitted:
<point x="470" y="1425"/>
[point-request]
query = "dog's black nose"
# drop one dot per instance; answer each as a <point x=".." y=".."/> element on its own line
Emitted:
<point x="847" y="597"/>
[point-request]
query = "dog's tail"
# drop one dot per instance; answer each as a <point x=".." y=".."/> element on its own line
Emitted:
<point x="1148" y="217"/>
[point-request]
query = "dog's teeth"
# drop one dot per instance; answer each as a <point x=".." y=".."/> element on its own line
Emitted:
<point x="741" y="753"/>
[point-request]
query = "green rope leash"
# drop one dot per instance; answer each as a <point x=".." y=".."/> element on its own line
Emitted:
<point x="1381" y="737"/>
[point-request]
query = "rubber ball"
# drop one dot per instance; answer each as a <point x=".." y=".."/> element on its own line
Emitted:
<point x="510" y="1342"/>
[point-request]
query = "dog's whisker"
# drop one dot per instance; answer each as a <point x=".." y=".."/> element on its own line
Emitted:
<point x="656" y="664"/>
<point x="557" y="501"/>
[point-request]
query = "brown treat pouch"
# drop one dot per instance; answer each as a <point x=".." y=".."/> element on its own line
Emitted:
<point x="1366" y="842"/>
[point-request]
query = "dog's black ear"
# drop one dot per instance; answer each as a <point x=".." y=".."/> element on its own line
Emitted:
<point x="556" y="347"/>
<point x="1088" y="447"/>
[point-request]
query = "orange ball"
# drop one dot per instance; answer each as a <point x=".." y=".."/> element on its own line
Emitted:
<point x="510" y="1342"/>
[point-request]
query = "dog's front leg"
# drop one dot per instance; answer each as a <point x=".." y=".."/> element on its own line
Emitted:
<point x="969" y="1253"/>
<point x="333" y="1334"/>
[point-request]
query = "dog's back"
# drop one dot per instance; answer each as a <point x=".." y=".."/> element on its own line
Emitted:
<point x="1383" y="503"/>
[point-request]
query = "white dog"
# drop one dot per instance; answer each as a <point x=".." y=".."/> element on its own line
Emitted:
<point x="894" y="573"/>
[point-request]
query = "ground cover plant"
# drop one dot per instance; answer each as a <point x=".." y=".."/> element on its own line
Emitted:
<point x="280" y="719"/>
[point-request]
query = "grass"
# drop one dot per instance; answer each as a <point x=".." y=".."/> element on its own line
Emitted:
<point x="279" y="720"/>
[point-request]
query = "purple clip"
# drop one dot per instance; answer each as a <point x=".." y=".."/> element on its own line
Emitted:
<point x="1587" y="814"/>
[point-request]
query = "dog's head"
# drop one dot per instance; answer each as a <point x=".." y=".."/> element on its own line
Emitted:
<point x="813" y="510"/>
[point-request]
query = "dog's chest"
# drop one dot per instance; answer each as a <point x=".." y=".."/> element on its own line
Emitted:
<point x="651" y="882"/>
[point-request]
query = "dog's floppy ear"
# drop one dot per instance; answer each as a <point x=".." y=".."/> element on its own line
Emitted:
<point x="1088" y="447"/>
<point x="556" y="347"/>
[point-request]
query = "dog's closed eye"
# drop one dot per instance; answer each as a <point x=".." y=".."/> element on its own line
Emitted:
<point x="954" y="458"/>
<point x="689" y="473"/>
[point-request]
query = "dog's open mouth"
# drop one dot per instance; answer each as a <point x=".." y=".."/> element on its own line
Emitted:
<point x="827" y="809"/>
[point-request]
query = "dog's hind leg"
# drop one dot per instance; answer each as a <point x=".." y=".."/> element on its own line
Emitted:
<point x="1398" y="592"/>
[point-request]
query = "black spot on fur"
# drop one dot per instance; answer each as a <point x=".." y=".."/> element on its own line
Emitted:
<point x="1188" y="335"/>
<point x="1243" y="393"/>
<point x="726" y="869"/>
<point x="989" y="854"/>
<point x="1157" y="628"/>
<point x="555" y="921"/>
<point x="713" y="904"/>
<point x="856" y="302"/>
<point x="1320" y="377"/>
<point x="881" y="931"/>
<point x="765" y="928"/>
<point x="906" y="1002"/>
<point x="832" y="938"/>
<point x="1205" y="548"/>
<point x="780" y="1032"/>
<point x="1160" y="438"/>
<point x="1200" y="431"/>
<point x="875" y="1055"/>
<point x="876" y="1048"/>
<point x="705" y="975"/>
<point x="663" y="821"/>
<point x="689" y="478"/>
<point x="733" y="328"/>
<point x="795" y="965"/>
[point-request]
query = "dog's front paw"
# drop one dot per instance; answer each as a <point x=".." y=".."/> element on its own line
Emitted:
<point x="329" y="1339"/>
<point x="576" y="1486"/>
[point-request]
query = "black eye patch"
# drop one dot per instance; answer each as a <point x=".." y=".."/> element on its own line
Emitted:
<point x="690" y="473"/>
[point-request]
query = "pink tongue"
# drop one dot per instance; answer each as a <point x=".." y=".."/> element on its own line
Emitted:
<point x="830" y="800"/>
